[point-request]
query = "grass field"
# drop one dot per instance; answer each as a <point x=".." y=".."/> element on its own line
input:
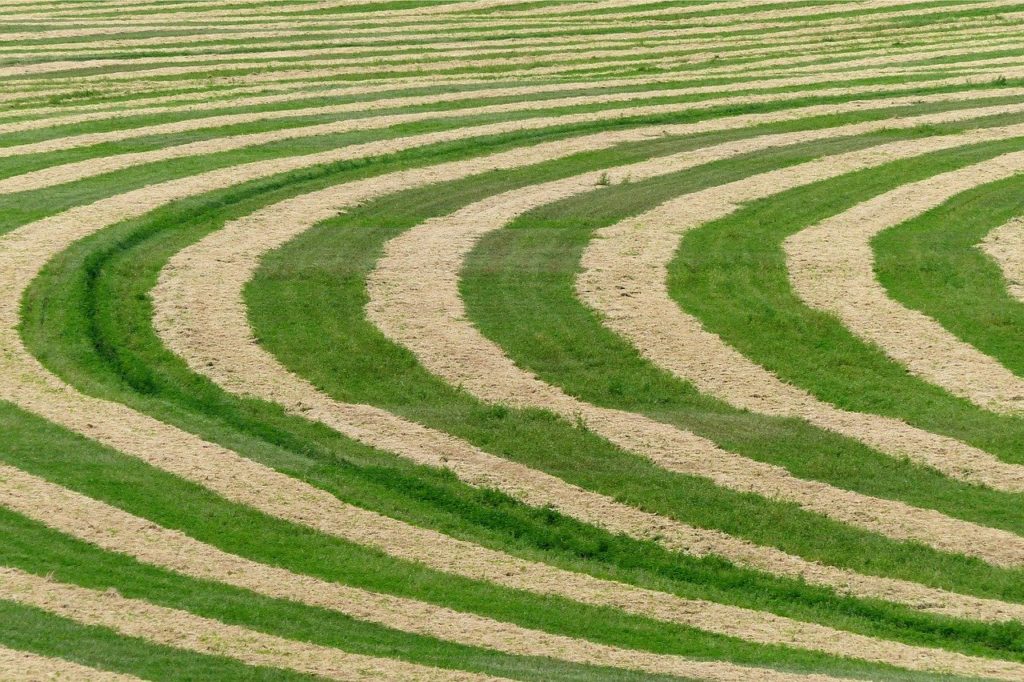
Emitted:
<point x="512" y="340"/>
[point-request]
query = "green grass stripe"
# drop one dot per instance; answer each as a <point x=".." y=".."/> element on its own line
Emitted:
<point x="92" y="100"/>
<point x="633" y="59"/>
<point x="932" y="264"/>
<point x="228" y="45"/>
<point x="146" y="173"/>
<point x="442" y="48"/>
<point x="172" y="502"/>
<point x="484" y="34"/>
<point x="305" y="112"/>
<point x="88" y="316"/>
<point x="20" y="208"/>
<point x="748" y="301"/>
<point x="519" y="290"/>
<point x="175" y="166"/>
<point x="983" y="71"/>
<point x="348" y="368"/>
<point x="225" y="67"/>
<point x="304" y="105"/>
<point x="117" y="347"/>
<point x="30" y="629"/>
<point x="32" y="547"/>
<point x="617" y="14"/>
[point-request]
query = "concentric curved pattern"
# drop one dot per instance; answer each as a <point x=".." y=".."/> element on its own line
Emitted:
<point x="137" y="618"/>
<point x="632" y="257"/>
<point x="119" y="532"/>
<point x="200" y="315"/>
<point x="266" y="411"/>
<point x="414" y="299"/>
<point x="831" y="268"/>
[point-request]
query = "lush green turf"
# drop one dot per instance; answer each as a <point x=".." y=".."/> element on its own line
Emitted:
<point x="117" y="347"/>
<point x="29" y="629"/>
<point x="933" y="264"/>
<point x="171" y="502"/>
<point x="87" y="318"/>
<point x="732" y="275"/>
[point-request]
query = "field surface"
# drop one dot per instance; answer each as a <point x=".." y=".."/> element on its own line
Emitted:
<point x="587" y="340"/>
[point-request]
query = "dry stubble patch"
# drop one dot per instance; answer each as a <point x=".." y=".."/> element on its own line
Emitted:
<point x="215" y="340"/>
<point x="831" y="269"/>
<point x="183" y="630"/>
<point x="414" y="300"/>
<point x="632" y="257"/>
<point x="1005" y="245"/>
<point x="24" y="666"/>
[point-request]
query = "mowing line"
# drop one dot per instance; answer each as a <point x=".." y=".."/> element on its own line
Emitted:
<point x="375" y="83"/>
<point x="24" y="251"/>
<point x="414" y="300"/>
<point x="991" y="69"/>
<point x="632" y="258"/>
<point x="91" y="167"/>
<point x="222" y="44"/>
<point x="117" y="531"/>
<point x="788" y="16"/>
<point x="291" y="79"/>
<point x="97" y="113"/>
<point x="68" y="142"/>
<point x="24" y="666"/>
<point x="183" y="630"/>
<point x="200" y="314"/>
<point x="542" y="48"/>
<point x="831" y="269"/>
<point x="530" y="64"/>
